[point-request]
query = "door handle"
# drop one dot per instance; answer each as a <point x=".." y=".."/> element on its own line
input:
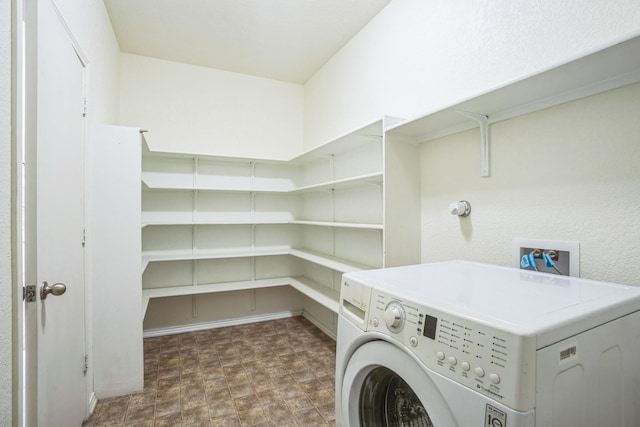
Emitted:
<point x="57" y="289"/>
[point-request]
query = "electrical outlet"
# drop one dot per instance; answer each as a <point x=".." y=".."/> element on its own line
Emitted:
<point x="564" y="254"/>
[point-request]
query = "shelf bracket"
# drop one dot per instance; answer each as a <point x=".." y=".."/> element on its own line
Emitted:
<point x="483" y="121"/>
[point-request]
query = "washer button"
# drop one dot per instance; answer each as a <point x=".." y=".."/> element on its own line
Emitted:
<point x="479" y="372"/>
<point x="440" y="355"/>
<point x="465" y="366"/>
<point x="375" y="322"/>
<point x="413" y="341"/>
<point x="453" y="360"/>
<point x="494" y="378"/>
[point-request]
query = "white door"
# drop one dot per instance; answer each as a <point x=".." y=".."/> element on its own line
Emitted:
<point x="54" y="144"/>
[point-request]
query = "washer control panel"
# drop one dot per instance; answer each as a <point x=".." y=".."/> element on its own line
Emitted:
<point x="494" y="362"/>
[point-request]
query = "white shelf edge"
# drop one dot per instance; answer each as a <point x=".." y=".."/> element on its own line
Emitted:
<point x="326" y="148"/>
<point x="214" y="287"/>
<point x="374" y="177"/>
<point x="338" y="264"/>
<point x="155" y="187"/>
<point x="214" y="222"/>
<point x="147" y="151"/>
<point x="296" y="159"/>
<point x="533" y="106"/>
<point x="339" y="224"/>
<point x="183" y="256"/>
<point x="604" y="76"/>
<point x="360" y="225"/>
<point x="175" y="291"/>
<point x="323" y="295"/>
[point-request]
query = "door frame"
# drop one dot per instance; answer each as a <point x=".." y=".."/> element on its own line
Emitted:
<point x="24" y="185"/>
<point x="17" y="132"/>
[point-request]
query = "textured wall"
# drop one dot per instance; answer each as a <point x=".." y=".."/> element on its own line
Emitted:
<point x="200" y="110"/>
<point x="417" y="56"/>
<point x="5" y="213"/>
<point x="565" y="173"/>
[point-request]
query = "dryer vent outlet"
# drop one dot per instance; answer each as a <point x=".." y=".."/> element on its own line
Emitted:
<point x="548" y="256"/>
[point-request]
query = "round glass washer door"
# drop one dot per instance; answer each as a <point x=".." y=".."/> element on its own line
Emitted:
<point x="387" y="400"/>
<point x="385" y="387"/>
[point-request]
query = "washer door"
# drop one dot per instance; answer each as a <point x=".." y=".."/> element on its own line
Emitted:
<point x="384" y="386"/>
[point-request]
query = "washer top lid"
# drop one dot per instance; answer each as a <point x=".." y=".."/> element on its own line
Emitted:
<point x="523" y="302"/>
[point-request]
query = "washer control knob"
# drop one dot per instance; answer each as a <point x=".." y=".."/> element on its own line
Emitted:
<point x="494" y="378"/>
<point x="465" y="366"/>
<point x="479" y="372"/>
<point x="413" y="341"/>
<point x="453" y="360"/>
<point x="440" y="355"/>
<point x="394" y="317"/>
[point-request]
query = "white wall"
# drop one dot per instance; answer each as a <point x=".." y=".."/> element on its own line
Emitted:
<point x="5" y="215"/>
<point x="565" y="173"/>
<point x="417" y="56"/>
<point x="91" y="26"/>
<point x="201" y="110"/>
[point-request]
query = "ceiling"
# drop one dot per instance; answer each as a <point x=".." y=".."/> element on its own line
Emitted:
<point x="286" y="40"/>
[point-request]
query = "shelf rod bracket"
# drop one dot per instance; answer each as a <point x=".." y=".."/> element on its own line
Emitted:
<point x="483" y="121"/>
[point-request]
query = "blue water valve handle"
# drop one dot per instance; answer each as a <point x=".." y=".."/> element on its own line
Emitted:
<point x="524" y="262"/>
<point x="547" y="260"/>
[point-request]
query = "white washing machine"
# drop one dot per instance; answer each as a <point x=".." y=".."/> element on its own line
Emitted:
<point x="460" y="344"/>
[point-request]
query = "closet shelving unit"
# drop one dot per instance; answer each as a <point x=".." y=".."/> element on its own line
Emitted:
<point x="215" y="224"/>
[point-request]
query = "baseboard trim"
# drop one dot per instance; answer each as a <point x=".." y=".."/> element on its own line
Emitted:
<point x="319" y="325"/>
<point x="221" y="324"/>
<point x="93" y="401"/>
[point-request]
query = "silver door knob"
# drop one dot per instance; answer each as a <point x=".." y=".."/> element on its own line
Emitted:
<point x="56" y="290"/>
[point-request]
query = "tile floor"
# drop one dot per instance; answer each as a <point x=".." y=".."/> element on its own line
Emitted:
<point x="275" y="373"/>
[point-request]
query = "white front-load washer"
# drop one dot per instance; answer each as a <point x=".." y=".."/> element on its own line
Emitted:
<point x="461" y="344"/>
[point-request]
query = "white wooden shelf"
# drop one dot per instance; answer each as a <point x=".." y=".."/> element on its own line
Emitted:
<point x="349" y="182"/>
<point x="165" y="256"/>
<point x="348" y="142"/>
<point x="607" y="69"/>
<point x="339" y="224"/>
<point x="148" y="151"/>
<point x="590" y="74"/>
<point x="149" y="185"/>
<point x="338" y="264"/>
<point x="180" y="221"/>
<point x="323" y="295"/>
<point x="174" y="291"/>
<point x="370" y="178"/>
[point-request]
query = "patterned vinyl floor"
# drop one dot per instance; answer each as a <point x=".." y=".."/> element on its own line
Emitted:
<point x="275" y="373"/>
